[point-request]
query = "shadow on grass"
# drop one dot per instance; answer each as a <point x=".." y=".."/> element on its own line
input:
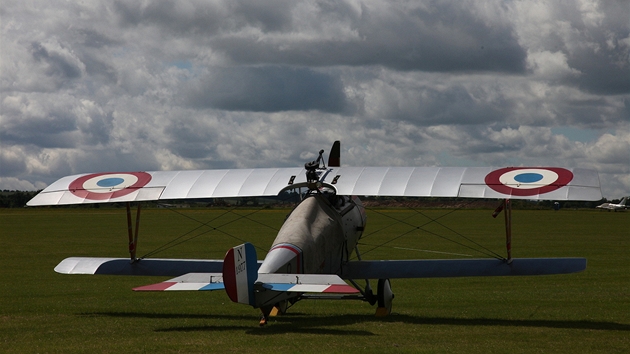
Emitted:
<point x="317" y="324"/>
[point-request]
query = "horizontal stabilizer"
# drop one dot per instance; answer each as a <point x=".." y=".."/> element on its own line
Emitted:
<point x="305" y="283"/>
<point x="430" y="268"/>
<point x="123" y="266"/>
<point x="188" y="282"/>
<point x="300" y="283"/>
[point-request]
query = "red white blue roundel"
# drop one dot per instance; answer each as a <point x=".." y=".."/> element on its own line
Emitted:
<point x="103" y="186"/>
<point x="528" y="181"/>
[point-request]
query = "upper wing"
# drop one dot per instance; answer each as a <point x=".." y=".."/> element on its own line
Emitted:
<point x="545" y="183"/>
<point x="165" y="185"/>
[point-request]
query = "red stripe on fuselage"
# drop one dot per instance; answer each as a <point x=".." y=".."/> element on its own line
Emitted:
<point x="293" y="249"/>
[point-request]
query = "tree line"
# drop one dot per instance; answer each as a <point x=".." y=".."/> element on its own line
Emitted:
<point x="15" y="199"/>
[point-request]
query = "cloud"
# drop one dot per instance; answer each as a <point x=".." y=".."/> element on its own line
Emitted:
<point x="397" y="35"/>
<point x="611" y="149"/>
<point x="589" y="40"/>
<point x="267" y="89"/>
<point x="187" y="84"/>
<point x="58" y="61"/>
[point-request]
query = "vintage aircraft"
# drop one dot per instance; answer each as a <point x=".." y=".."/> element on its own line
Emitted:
<point x="311" y="255"/>
<point x="614" y="207"/>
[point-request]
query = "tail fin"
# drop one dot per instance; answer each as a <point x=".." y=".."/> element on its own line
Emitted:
<point x="623" y="201"/>
<point x="240" y="271"/>
<point x="334" y="158"/>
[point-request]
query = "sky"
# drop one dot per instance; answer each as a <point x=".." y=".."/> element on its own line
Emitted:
<point x="99" y="86"/>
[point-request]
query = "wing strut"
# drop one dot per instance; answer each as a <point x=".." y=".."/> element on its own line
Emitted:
<point x="508" y="229"/>
<point x="133" y="237"/>
<point x="507" y="206"/>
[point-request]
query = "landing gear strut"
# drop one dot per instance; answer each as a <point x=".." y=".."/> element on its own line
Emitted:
<point x="385" y="297"/>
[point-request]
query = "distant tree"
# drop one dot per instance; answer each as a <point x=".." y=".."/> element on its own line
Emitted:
<point x="15" y="199"/>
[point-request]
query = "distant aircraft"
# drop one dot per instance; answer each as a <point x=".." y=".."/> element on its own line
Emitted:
<point x="614" y="207"/>
<point x="311" y="255"/>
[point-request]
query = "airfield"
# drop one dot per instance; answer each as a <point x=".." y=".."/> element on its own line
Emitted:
<point x="45" y="312"/>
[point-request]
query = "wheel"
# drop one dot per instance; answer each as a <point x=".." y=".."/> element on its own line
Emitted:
<point x="385" y="297"/>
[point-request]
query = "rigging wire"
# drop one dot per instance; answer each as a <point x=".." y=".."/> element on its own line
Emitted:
<point x="483" y="249"/>
<point x="430" y="251"/>
<point x="496" y="255"/>
<point x="179" y="240"/>
<point x="170" y="243"/>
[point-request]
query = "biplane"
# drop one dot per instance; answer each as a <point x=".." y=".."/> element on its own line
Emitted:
<point x="315" y="253"/>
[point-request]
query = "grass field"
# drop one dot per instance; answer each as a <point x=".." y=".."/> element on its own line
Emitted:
<point x="45" y="312"/>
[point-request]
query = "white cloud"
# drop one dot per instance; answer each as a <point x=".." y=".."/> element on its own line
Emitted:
<point x="14" y="184"/>
<point x="550" y="66"/>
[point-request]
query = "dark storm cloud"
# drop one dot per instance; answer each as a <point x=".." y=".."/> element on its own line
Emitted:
<point x="206" y="18"/>
<point x="94" y="39"/>
<point x="269" y="16"/>
<point x="482" y="140"/>
<point x="458" y="105"/>
<point x="98" y="128"/>
<point x="191" y="138"/>
<point x="12" y="165"/>
<point x="441" y="37"/>
<point x="46" y="121"/>
<point x="97" y="67"/>
<point x="50" y="131"/>
<point x="439" y="103"/>
<point x="404" y="36"/>
<point x="596" y="45"/>
<point x="269" y="89"/>
<point x="42" y="139"/>
<point x="59" y="63"/>
<point x="592" y="113"/>
<point x="604" y="72"/>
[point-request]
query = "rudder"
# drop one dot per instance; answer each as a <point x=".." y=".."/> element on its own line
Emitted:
<point x="334" y="158"/>
<point x="240" y="271"/>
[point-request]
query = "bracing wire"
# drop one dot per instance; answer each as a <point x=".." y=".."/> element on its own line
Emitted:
<point x="483" y="249"/>
<point x="180" y="239"/>
<point x="496" y="255"/>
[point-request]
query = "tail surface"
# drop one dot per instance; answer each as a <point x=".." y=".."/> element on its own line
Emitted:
<point x="334" y="158"/>
<point x="240" y="271"/>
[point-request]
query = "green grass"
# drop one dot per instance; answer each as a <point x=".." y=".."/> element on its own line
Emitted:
<point x="45" y="312"/>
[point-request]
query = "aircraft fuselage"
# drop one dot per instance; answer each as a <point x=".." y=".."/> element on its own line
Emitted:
<point x="318" y="236"/>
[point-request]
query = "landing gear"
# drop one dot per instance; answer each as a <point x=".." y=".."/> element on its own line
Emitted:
<point x="280" y="308"/>
<point x="264" y="316"/>
<point x="385" y="296"/>
<point x="263" y="320"/>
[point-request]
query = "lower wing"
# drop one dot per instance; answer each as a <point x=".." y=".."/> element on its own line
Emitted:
<point x="461" y="268"/>
<point x="148" y="266"/>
